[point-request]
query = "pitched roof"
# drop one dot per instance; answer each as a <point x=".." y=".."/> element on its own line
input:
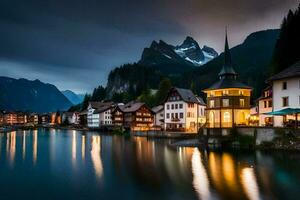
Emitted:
<point x="99" y="104"/>
<point x="131" y="106"/>
<point x="292" y="71"/>
<point x="157" y="109"/>
<point x="188" y="96"/>
<point x="228" y="83"/>
<point x="227" y="68"/>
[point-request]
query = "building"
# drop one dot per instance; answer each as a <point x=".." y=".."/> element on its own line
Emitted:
<point x="99" y="114"/>
<point x="183" y="111"/>
<point x="135" y="116"/>
<point x="55" y="118"/>
<point x="228" y="101"/>
<point x="286" y="94"/>
<point x="70" y="118"/>
<point x="33" y="118"/>
<point x="14" y="118"/>
<point x="265" y="105"/>
<point x="158" y="116"/>
<point x="254" y="116"/>
<point x="82" y="118"/>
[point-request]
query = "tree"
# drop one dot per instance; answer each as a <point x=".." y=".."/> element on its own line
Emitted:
<point x="85" y="102"/>
<point x="163" y="89"/>
<point x="99" y="94"/>
<point x="286" y="51"/>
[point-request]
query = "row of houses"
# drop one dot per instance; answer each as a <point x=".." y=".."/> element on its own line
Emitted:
<point x="181" y="111"/>
<point x="8" y="118"/>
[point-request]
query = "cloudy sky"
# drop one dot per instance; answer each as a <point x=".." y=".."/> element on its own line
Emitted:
<point x="75" y="43"/>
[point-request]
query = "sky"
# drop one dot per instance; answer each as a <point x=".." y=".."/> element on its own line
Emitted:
<point x="74" y="44"/>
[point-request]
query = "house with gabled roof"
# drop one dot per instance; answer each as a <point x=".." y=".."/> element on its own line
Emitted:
<point x="99" y="114"/>
<point x="183" y="111"/>
<point x="286" y="95"/>
<point x="136" y="116"/>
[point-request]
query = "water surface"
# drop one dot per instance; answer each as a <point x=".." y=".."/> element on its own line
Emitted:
<point x="60" y="164"/>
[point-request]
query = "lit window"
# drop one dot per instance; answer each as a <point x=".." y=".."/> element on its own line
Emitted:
<point x="242" y="102"/>
<point x="225" y="92"/>
<point x="241" y="92"/>
<point x="212" y="103"/>
<point x="226" y="117"/>
<point x="285" y="101"/>
<point x="225" y="102"/>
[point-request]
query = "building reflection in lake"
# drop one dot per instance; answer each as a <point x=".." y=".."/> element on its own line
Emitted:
<point x="74" y="144"/>
<point x="35" y="146"/>
<point x="24" y="145"/>
<point x="96" y="155"/>
<point x="11" y="147"/>
<point x="83" y="138"/>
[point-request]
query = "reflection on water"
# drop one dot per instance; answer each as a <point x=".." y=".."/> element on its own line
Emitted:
<point x="140" y="166"/>
<point x="34" y="146"/>
<point x="96" y="155"/>
<point x="249" y="183"/>
<point x="200" y="178"/>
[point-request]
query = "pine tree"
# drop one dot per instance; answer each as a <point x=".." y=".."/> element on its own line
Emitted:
<point x="286" y="51"/>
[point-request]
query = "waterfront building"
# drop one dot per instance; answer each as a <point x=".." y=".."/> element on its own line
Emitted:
<point x="228" y="100"/>
<point x="82" y="117"/>
<point x="33" y="118"/>
<point x="99" y="114"/>
<point x="183" y="111"/>
<point x="70" y="117"/>
<point x="158" y="116"/>
<point x="14" y="118"/>
<point x="45" y="118"/>
<point x="265" y="105"/>
<point x="55" y="118"/>
<point x="254" y="116"/>
<point x="286" y="94"/>
<point x="135" y="116"/>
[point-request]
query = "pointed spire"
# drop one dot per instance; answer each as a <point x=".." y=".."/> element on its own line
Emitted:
<point x="227" y="55"/>
<point x="227" y="69"/>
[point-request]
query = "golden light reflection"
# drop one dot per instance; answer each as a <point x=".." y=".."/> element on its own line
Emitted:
<point x="249" y="183"/>
<point x="228" y="170"/>
<point x="96" y="155"/>
<point x="82" y="147"/>
<point x="74" y="142"/>
<point x="11" y="146"/>
<point x="200" y="178"/>
<point x="24" y="145"/>
<point x="34" y="147"/>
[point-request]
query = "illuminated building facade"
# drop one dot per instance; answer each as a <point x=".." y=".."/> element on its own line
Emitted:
<point x="228" y="101"/>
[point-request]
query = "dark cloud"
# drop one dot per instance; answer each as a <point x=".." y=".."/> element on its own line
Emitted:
<point x="75" y="44"/>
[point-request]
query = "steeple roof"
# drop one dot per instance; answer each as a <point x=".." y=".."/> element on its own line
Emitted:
<point x="227" y="69"/>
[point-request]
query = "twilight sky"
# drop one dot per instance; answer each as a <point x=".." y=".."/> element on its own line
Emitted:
<point x="75" y="43"/>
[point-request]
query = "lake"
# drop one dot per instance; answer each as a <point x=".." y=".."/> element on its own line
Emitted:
<point x="66" y="164"/>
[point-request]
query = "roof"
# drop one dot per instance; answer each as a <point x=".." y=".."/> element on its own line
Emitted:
<point x="131" y="106"/>
<point x="103" y="108"/>
<point x="227" y="68"/>
<point x="84" y="112"/>
<point x="157" y="109"/>
<point x="228" y="83"/>
<point x="188" y="96"/>
<point x="292" y="71"/>
<point x="99" y="104"/>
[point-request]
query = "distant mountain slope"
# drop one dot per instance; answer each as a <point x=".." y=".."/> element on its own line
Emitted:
<point x="34" y="96"/>
<point x="251" y="59"/>
<point x="72" y="97"/>
<point x="174" y="60"/>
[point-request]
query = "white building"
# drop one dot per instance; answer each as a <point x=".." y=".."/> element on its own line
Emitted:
<point x="99" y="114"/>
<point x="70" y="117"/>
<point x="184" y="111"/>
<point x="286" y="93"/>
<point x="158" y="116"/>
<point x="265" y="105"/>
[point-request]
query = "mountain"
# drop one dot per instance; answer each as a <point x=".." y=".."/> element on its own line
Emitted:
<point x="191" y="52"/>
<point x="251" y="60"/>
<point x="171" y="59"/>
<point x="33" y="96"/>
<point x="72" y="97"/>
